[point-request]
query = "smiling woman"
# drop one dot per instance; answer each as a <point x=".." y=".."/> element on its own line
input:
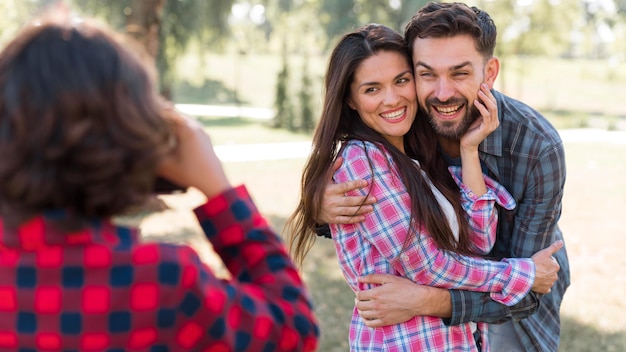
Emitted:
<point x="383" y="94"/>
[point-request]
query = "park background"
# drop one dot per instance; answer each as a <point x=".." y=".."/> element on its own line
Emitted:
<point x="252" y="71"/>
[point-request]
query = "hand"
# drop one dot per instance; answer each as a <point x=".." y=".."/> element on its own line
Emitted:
<point x="339" y="209"/>
<point x="546" y="268"/>
<point x="399" y="299"/>
<point x="486" y="123"/>
<point x="193" y="163"/>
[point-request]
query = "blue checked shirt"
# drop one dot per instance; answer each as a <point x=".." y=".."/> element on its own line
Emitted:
<point x="524" y="154"/>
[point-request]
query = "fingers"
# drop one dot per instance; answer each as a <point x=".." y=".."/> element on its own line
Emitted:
<point x="367" y="311"/>
<point x="339" y="209"/>
<point x="377" y="279"/>
<point x="345" y="219"/>
<point x="345" y="187"/>
<point x="555" y="247"/>
<point x="334" y="194"/>
<point x="487" y="106"/>
<point x="546" y="268"/>
<point x="351" y="202"/>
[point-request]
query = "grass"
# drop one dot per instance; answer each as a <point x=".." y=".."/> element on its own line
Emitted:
<point x="595" y="196"/>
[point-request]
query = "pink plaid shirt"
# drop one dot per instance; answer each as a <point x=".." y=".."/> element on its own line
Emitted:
<point x="375" y="246"/>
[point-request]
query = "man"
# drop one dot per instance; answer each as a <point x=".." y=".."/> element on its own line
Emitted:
<point x="452" y="49"/>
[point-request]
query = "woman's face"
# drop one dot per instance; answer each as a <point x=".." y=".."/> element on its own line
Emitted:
<point x="383" y="93"/>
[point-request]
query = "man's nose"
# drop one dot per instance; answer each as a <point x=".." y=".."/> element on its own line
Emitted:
<point x="444" y="89"/>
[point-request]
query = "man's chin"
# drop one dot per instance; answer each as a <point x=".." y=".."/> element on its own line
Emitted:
<point x="448" y="130"/>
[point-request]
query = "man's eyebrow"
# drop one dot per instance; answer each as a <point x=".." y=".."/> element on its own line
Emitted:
<point x="453" y="68"/>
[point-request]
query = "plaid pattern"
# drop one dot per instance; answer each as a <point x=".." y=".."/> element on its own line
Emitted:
<point x="376" y="246"/>
<point x="525" y="154"/>
<point x="101" y="290"/>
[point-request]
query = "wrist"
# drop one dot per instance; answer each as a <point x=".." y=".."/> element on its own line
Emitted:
<point x="469" y="151"/>
<point x="434" y="302"/>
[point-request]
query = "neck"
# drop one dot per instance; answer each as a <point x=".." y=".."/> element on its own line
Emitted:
<point x="452" y="147"/>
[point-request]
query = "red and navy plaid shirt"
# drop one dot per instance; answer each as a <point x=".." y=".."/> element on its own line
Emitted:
<point x="100" y="289"/>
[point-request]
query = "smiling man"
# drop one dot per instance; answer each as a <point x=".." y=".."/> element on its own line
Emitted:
<point x="452" y="47"/>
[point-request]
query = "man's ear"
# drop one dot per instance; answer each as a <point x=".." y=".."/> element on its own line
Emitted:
<point x="492" y="68"/>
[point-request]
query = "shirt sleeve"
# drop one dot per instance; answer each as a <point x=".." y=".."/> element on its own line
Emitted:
<point x="480" y="211"/>
<point x="535" y="224"/>
<point x="419" y="259"/>
<point x="265" y="305"/>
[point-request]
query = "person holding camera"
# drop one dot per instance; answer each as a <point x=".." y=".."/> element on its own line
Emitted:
<point x="83" y="136"/>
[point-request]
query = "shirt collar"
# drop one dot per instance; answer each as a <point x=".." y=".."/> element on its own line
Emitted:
<point x="493" y="143"/>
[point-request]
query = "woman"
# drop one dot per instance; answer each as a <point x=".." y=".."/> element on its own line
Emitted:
<point x="428" y="225"/>
<point x="83" y="135"/>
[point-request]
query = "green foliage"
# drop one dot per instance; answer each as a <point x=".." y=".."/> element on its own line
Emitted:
<point x="337" y="17"/>
<point x="181" y="22"/>
<point x="284" y="110"/>
<point x="307" y="123"/>
<point x="340" y="16"/>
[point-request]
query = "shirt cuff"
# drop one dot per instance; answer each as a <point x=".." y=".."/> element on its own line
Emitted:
<point x="229" y="214"/>
<point x="460" y="313"/>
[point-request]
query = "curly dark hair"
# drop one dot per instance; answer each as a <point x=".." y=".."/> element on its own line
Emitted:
<point x="81" y="125"/>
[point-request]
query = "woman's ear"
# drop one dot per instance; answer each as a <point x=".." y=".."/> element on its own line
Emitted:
<point x="350" y="104"/>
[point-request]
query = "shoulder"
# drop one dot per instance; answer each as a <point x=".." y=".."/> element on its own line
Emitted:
<point x="356" y="149"/>
<point x="362" y="159"/>
<point x="523" y="126"/>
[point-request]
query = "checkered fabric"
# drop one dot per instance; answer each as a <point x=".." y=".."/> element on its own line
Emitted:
<point x="524" y="154"/>
<point x="100" y="289"/>
<point x="378" y="245"/>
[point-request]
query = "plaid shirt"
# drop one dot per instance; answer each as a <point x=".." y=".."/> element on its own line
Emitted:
<point x="524" y="154"/>
<point x="377" y="245"/>
<point x="100" y="289"/>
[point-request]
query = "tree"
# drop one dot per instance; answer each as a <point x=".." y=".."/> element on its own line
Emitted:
<point x="307" y="121"/>
<point x="283" y="117"/>
<point x="165" y="27"/>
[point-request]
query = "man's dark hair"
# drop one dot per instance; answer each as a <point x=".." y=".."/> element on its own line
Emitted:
<point x="444" y="20"/>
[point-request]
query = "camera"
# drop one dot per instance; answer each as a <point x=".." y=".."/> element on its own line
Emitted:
<point x="165" y="186"/>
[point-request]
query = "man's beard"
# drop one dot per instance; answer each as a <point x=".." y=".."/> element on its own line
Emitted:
<point x="448" y="129"/>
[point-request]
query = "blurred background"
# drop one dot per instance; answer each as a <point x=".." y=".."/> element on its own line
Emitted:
<point x="252" y="72"/>
<point x="564" y="57"/>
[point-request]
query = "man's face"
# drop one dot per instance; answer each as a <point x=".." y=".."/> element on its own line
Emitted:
<point x="448" y="74"/>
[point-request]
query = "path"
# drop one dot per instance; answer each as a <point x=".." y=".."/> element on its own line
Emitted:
<point x="296" y="150"/>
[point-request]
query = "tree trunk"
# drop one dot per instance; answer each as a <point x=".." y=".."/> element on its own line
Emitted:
<point x="143" y="22"/>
